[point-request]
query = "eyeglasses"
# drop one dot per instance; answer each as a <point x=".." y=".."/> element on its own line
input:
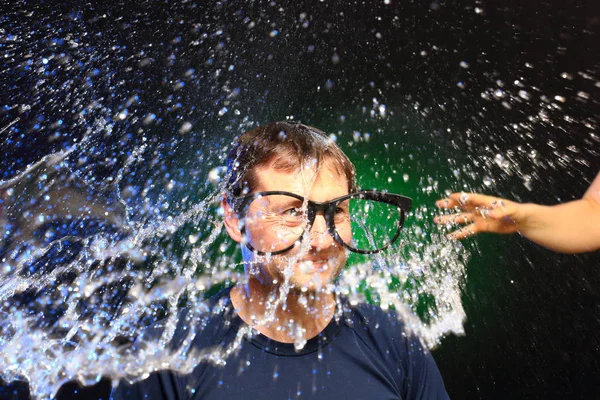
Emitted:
<point x="364" y="222"/>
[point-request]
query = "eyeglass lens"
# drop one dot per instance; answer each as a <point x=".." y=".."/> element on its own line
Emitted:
<point x="275" y="222"/>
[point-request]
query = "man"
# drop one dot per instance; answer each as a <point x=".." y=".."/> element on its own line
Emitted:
<point x="291" y="202"/>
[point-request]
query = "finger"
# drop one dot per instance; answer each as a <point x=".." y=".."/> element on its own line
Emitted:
<point x="503" y="210"/>
<point x="471" y="201"/>
<point x="476" y="199"/>
<point x="446" y="203"/>
<point x="458" y="218"/>
<point x="460" y="200"/>
<point x="463" y="232"/>
<point x="486" y="212"/>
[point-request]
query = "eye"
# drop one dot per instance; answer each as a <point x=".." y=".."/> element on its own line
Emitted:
<point x="341" y="214"/>
<point x="293" y="212"/>
<point x="342" y="208"/>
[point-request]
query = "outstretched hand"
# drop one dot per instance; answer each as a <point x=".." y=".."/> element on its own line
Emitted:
<point x="479" y="213"/>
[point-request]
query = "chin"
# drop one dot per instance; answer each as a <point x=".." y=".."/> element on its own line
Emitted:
<point x="311" y="284"/>
<point x="313" y="281"/>
<point x="305" y="276"/>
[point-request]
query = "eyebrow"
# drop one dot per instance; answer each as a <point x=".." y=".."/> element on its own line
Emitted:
<point x="288" y="201"/>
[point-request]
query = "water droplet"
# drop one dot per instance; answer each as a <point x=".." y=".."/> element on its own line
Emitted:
<point x="524" y="95"/>
<point x="185" y="127"/>
<point x="583" y="95"/>
<point x="527" y="182"/>
<point x="533" y="153"/>
<point x="566" y="75"/>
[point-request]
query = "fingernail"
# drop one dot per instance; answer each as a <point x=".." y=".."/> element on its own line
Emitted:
<point x="436" y="220"/>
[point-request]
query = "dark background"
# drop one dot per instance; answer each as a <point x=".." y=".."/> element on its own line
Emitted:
<point x="533" y="316"/>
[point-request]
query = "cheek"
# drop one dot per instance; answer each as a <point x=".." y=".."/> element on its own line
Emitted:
<point x="345" y="231"/>
<point x="343" y="256"/>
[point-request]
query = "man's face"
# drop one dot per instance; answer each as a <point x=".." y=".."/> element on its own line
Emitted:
<point x="316" y="260"/>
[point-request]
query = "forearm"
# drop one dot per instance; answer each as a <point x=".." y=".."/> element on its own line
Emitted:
<point x="572" y="227"/>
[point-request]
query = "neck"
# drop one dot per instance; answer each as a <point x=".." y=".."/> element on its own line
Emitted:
<point x="283" y="316"/>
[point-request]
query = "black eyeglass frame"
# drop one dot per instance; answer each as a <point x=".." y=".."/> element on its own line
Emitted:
<point x="241" y="203"/>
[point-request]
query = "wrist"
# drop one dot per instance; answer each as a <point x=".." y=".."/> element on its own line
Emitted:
<point x="530" y="217"/>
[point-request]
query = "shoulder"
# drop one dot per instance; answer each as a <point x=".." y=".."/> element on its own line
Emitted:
<point x="382" y="331"/>
<point x="196" y="329"/>
<point x="378" y="322"/>
<point x="386" y="333"/>
<point x="206" y="320"/>
<point x="392" y="341"/>
<point x="370" y="312"/>
<point x="209" y="320"/>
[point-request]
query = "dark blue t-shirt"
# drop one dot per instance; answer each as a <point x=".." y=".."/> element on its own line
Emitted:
<point x="365" y="354"/>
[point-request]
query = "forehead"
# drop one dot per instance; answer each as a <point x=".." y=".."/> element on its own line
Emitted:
<point x="322" y="184"/>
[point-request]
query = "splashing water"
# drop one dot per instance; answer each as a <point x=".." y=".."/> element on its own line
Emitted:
<point x="115" y="126"/>
<point x="85" y="278"/>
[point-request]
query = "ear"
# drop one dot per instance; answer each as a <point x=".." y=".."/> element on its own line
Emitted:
<point x="231" y="221"/>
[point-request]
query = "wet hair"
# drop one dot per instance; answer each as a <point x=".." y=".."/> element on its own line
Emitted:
<point x="286" y="146"/>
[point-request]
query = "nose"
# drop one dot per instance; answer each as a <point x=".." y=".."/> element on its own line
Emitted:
<point x="319" y="234"/>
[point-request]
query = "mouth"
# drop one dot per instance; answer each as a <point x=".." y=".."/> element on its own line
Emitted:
<point x="311" y="266"/>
